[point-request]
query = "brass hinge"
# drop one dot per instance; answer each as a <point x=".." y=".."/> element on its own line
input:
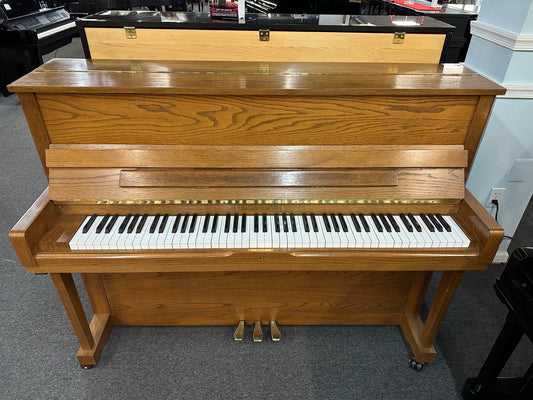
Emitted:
<point x="399" y="37"/>
<point x="131" y="32"/>
<point x="264" y="35"/>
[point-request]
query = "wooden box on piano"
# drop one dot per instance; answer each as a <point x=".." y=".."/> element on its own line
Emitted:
<point x="234" y="139"/>
<point x="142" y="35"/>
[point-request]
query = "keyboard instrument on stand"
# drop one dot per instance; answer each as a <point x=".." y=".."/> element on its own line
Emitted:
<point x="217" y="193"/>
<point x="27" y="32"/>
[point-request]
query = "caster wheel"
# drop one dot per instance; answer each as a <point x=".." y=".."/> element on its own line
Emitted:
<point x="86" y="367"/>
<point x="413" y="364"/>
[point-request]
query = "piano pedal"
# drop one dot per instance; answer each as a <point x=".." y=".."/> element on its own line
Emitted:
<point x="258" y="332"/>
<point x="275" y="334"/>
<point x="239" y="332"/>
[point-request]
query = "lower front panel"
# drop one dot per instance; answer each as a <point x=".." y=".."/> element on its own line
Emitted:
<point x="290" y="298"/>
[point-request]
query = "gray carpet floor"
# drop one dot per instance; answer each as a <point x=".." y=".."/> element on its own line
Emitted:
<point x="38" y="346"/>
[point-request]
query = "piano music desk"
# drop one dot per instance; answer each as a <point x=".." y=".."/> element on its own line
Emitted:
<point x="136" y="137"/>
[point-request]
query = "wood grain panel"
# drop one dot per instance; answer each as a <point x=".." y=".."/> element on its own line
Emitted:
<point x="219" y="45"/>
<point x="100" y="183"/>
<point x="287" y="297"/>
<point x="254" y="78"/>
<point x="172" y="156"/>
<point x="258" y="120"/>
<point x="182" y="178"/>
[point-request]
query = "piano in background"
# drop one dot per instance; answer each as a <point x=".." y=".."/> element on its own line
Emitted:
<point x="29" y="29"/>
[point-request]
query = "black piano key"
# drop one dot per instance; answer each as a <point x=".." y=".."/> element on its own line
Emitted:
<point x="326" y="222"/>
<point x="306" y="224"/>
<point x="153" y="227"/>
<point x="163" y="223"/>
<point x="133" y="223"/>
<point x="406" y="223"/>
<point x="343" y="223"/>
<point x="393" y="222"/>
<point x="111" y="223"/>
<point x="227" y="224"/>
<point x="89" y="223"/>
<point x="427" y="222"/>
<point x="385" y="222"/>
<point x="435" y="223"/>
<point x="141" y="223"/>
<point x="293" y="223"/>
<point x="124" y="223"/>
<point x="285" y="223"/>
<point x="193" y="223"/>
<point x="243" y="223"/>
<point x="414" y="222"/>
<point x="235" y="223"/>
<point x="215" y="224"/>
<point x="443" y="223"/>
<point x="376" y="221"/>
<point x="314" y="223"/>
<point x="366" y="227"/>
<point x="276" y="222"/>
<point x="355" y="223"/>
<point x="205" y="227"/>
<point x="102" y="223"/>
<point x="176" y="223"/>
<point x="334" y="222"/>
<point x="185" y="221"/>
<point x="256" y="223"/>
<point x="265" y="225"/>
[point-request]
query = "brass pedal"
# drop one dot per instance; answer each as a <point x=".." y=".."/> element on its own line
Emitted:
<point x="258" y="332"/>
<point x="239" y="332"/>
<point x="274" y="332"/>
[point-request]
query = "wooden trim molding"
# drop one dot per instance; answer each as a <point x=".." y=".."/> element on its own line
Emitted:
<point x="510" y="40"/>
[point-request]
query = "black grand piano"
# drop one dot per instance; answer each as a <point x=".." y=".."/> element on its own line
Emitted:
<point x="28" y="30"/>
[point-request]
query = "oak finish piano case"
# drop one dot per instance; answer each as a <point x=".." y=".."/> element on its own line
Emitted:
<point x="205" y="137"/>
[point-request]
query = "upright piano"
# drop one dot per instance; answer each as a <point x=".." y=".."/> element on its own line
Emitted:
<point x="216" y="193"/>
<point x="27" y="32"/>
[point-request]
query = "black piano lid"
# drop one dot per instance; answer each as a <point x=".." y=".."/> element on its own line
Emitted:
<point x="279" y="22"/>
<point x="16" y="8"/>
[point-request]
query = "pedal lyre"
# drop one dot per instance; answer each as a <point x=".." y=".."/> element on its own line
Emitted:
<point x="274" y="332"/>
<point x="258" y="332"/>
<point x="239" y="332"/>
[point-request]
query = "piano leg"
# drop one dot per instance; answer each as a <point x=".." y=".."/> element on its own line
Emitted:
<point x="420" y="335"/>
<point x="92" y="337"/>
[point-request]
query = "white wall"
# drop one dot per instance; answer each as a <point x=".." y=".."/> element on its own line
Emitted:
<point x="502" y="50"/>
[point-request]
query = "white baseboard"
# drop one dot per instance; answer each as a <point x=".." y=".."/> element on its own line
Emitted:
<point x="501" y="257"/>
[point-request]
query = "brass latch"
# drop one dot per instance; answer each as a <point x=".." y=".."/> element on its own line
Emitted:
<point x="264" y="35"/>
<point x="399" y="37"/>
<point x="131" y="32"/>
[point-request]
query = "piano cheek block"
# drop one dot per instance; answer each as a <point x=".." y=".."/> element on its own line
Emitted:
<point x="187" y="195"/>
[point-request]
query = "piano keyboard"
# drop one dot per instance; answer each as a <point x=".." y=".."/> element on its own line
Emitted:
<point x="262" y="231"/>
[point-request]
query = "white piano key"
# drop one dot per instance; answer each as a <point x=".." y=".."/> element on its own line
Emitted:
<point x="428" y="240"/>
<point x="465" y="241"/>
<point x="110" y="239"/>
<point x="345" y="240"/>
<point x="302" y="240"/>
<point x="291" y="236"/>
<point x="92" y="236"/>
<point x="79" y="236"/>
<point x="196" y="239"/>
<point x="408" y="239"/>
<point x="276" y="241"/>
<point x="253" y="236"/>
<point x="265" y="240"/>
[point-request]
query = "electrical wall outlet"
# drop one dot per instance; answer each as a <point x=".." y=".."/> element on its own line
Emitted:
<point x="495" y="194"/>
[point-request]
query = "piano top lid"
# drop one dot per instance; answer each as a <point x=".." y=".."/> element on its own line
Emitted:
<point x="254" y="78"/>
<point x="271" y="21"/>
